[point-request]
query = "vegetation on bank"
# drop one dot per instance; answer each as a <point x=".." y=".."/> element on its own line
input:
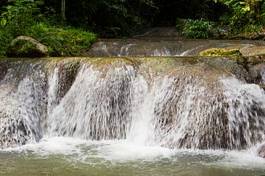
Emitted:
<point x="242" y="19"/>
<point x="24" y="18"/>
<point x="64" y="25"/>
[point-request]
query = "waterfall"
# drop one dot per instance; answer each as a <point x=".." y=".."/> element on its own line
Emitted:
<point x="97" y="106"/>
<point x="179" y="108"/>
<point x="22" y="108"/>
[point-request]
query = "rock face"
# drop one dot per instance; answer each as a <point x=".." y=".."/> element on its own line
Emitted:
<point x="261" y="151"/>
<point x="257" y="73"/>
<point x="24" y="46"/>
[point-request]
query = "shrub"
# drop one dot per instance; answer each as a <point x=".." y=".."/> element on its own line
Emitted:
<point x="5" y="38"/>
<point x="62" y="41"/>
<point x="197" y="29"/>
<point x="24" y="18"/>
<point x="244" y="16"/>
<point x="15" y="20"/>
<point x="18" y="17"/>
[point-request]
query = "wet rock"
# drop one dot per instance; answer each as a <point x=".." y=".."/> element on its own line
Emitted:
<point x="66" y="75"/>
<point x="3" y="71"/>
<point x="24" y="46"/>
<point x="252" y="51"/>
<point x="13" y="132"/>
<point x="230" y="65"/>
<point x="261" y="151"/>
<point x="257" y="73"/>
<point x="254" y="60"/>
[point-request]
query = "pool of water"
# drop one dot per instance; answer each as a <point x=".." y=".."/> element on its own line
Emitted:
<point x="74" y="157"/>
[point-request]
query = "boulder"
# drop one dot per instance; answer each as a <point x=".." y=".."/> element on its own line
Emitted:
<point x="257" y="73"/>
<point x="24" y="46"/>
<point x="261" y="151"/>
<point x="252" y="51"/>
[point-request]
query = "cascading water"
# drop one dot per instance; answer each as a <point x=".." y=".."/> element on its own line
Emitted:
<point x="96" y="107"/>
<point x="180" y="109"/>
<point x="120" y="106"/>
<point x="157" y="46"/>
<point x="22" y="107"/>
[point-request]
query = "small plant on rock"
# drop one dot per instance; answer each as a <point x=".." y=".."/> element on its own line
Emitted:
<point x="197" y="29"/>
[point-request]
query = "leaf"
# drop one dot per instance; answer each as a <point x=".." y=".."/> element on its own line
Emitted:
<point x="3" y="22"/>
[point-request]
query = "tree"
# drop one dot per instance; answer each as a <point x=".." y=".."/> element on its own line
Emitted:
<point x="63" y="10"/>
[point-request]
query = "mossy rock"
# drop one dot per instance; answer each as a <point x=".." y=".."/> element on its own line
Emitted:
<point x="24" y="46"/>
<point x="220" y="52"/>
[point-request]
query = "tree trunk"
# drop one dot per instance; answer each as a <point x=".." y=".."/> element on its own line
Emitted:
<point x="63" y="10"/>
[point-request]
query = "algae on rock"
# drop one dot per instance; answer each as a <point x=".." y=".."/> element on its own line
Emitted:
<point x="24" y="46"/>
<point x="221" y="52"/>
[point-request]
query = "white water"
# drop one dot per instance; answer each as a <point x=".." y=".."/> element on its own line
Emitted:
<point x="173" y="112"/>
<point x="21" y="108"/>
<point x="119" y="115"/>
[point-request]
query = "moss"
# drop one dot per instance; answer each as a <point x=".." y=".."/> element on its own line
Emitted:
<point x="24" y="48"/>
<point x="221" y="52"/>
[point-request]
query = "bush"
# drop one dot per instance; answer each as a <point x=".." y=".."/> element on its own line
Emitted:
<point x="14" y="20"/>
<point x="197" y="29"/>
<point x="244" y="16"/>
<point x="18" y="17"/>
<point x="62" y="41"/>
<point x="5" y="38"/>
<point x="24" y="18"/>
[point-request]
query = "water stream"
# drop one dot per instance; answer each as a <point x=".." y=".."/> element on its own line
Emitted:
<point x="120" y="117"/>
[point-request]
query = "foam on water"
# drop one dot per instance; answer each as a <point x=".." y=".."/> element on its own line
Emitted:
<point x="121" y="151"/>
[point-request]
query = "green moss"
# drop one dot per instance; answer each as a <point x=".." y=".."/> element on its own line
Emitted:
<point x="220" y="52"/>
<point x="22" y="48"/>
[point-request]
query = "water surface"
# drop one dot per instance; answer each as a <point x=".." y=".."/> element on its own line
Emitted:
<point x="60" y="156"/>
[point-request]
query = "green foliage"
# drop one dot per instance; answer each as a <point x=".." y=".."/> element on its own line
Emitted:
<point x="197" y="29"/>
<point x="242" y="17"/>
<point x="5" y="38"/>
<point x="251" y="28"/>
<point x="62" y="41"/>
<point x="15" y="20"/>
<point x="108" y="17"/>
<point x="23" y="17"/>
<point x="245" y="15"/>
<point x="18" y="17"/>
